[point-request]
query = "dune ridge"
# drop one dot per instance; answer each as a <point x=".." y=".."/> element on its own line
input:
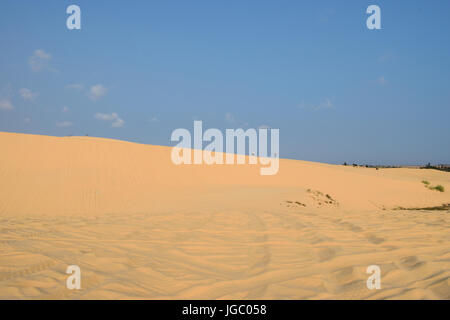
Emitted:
<point x="141" y="227"/>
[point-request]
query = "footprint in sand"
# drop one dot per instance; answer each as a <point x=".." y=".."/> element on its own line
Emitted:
<point x="374" y="239"/>
<point x="343" y="275"/>
<point x="351" y="226"/>
<point x="326" y="254"/>
<point x="411" y="263"/>
<point x="442" y="289"/>
<point x="348" y="282"/>
<point x="347" y="225"/>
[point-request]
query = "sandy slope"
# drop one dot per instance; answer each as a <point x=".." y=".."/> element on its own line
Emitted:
<point x="140" y="227"/>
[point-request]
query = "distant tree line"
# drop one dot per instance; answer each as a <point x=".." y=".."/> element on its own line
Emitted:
<point x="441" y="167"/>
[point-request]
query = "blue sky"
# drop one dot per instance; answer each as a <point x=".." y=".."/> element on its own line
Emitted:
<point x="137" y="70"/>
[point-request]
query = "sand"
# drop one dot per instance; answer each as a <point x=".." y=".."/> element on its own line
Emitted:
<point x="140" y="227"/>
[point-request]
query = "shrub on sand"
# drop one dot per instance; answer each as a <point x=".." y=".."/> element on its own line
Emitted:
<point x="438" y="188"/>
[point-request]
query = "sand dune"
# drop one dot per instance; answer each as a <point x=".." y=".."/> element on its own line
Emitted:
<point x="140" y="227"/>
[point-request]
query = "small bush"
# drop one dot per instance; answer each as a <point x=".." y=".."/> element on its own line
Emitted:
<point x="425" y="182"/>
<point x="438" y="188"/>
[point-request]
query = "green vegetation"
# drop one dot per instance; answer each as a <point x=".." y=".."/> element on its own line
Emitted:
<point x="438" y="188"/>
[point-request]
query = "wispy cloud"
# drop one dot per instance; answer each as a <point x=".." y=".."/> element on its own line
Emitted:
<point x="97" y="91"/>
<point x="382" y="81"/>
<point x="116" y="121"/>
<point x="232" y="120"/>
<point x="64" y="124"/>
<point x="325" y="104"/>
<point x="5" y="98"/>
<point x="27" y="94"/>
<point x="27" y="120"/>
<point x="39" y="60"/>
<point x="41" y="54"/>
<point x="6" y="105"/>
<point x="65" y="109"/>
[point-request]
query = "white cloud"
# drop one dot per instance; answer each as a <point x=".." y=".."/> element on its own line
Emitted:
<point x="382" y="81"/>
<point x="6" y="105"/>
<point x="39" y="60"/>
<point x="27" y="120"/>
<point x="325" y="104"/>
<point x="65" y="109"/>
<point x="75" y="86"/>
<point x="27" y="94"/>
<point x="97" y="91"/>
<point x="116" y="121"/>
<point x="64" y="124"/>
<point x="104" y="116"/>
<point x="42" y="54"/>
